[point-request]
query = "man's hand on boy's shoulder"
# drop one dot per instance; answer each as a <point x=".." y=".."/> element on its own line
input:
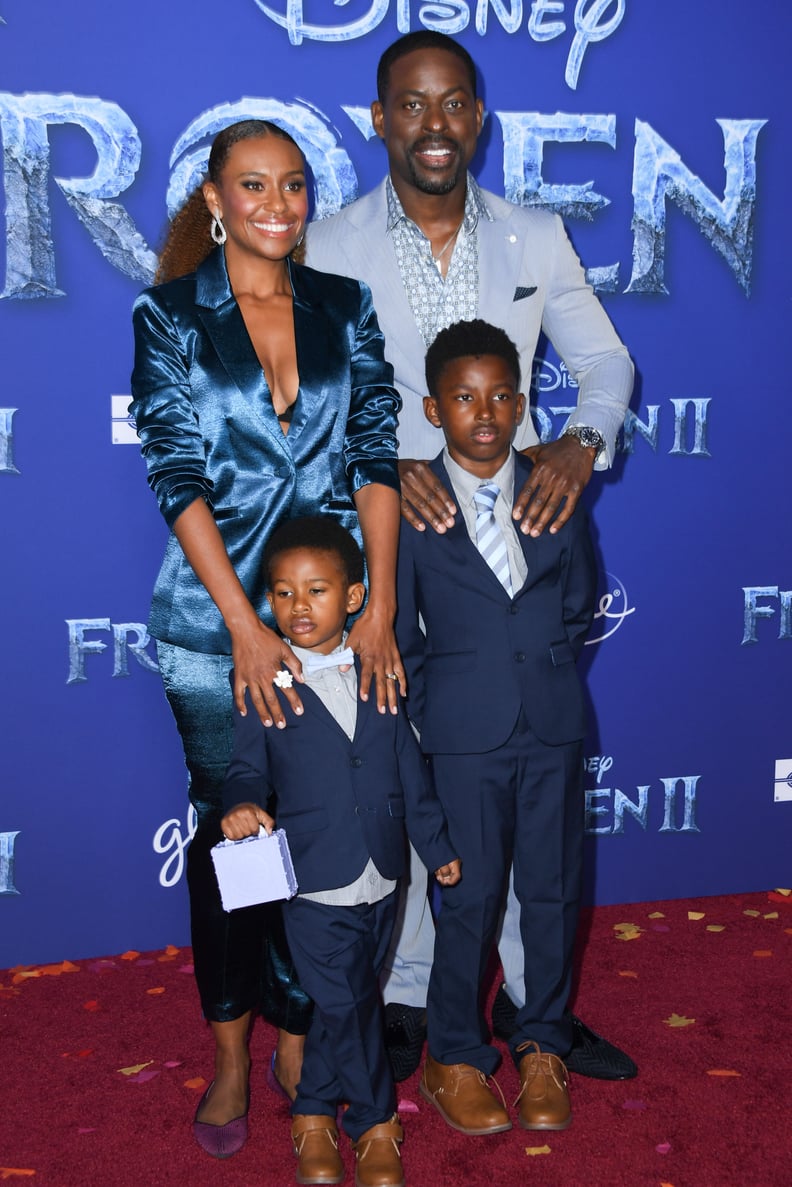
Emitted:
<point x="424" y="499"/>
<point x="560" y="474"/>
<point x="449" y="874"/>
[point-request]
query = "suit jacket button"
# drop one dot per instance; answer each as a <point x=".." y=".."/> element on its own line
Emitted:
<point x="513" y="609"/>
<point x="520" y="657"/>
<point x="357" y="762"/>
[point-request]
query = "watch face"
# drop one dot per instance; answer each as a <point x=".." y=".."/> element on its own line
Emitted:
<point x="587" y="436"/>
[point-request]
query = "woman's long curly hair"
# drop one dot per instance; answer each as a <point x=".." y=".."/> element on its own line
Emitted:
<point x="189" y="238"/>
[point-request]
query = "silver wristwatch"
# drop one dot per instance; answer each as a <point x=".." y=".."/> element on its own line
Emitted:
<point x="589" y="438"/>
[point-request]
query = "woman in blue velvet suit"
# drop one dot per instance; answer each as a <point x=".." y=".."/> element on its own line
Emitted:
<point x="260" y="393"/>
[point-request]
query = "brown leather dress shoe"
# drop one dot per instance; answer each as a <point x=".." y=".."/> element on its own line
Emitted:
<point x="315" y="1141"/>
<point x="544" y="1096"/>
<point x="461" y="1096"/>
<point x="377" y="1155"/>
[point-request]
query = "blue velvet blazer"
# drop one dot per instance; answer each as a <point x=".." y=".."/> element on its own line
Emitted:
<point x="208" y="428"/>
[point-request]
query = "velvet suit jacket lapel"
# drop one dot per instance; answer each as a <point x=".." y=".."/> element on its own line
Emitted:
<point x="225" y="327"/>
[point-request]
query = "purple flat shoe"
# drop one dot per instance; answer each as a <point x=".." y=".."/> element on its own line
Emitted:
<point x="221" y="1141"/>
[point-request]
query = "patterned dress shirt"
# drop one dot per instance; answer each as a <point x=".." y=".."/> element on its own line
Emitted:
<point x="437" y="302"/>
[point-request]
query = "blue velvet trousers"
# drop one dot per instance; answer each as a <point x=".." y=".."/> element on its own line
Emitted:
<point x="241" y="957"/>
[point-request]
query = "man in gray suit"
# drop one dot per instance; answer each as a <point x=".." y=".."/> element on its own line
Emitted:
<point x="435" y="249"/>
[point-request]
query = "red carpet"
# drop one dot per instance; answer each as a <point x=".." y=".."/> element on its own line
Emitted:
<point x="103" y="1063"/>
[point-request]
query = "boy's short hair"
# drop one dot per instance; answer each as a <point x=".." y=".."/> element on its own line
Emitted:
<point x="318" y="533"/>
<point x="421" y="39"/>
<point x="469" y="338"/>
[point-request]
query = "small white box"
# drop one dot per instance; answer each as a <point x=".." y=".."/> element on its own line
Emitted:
<point x="783" y="779"/>
<point x="254" y="870"/>
<point x="124" y="428"/>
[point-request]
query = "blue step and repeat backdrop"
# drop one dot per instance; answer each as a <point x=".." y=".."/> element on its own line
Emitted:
<point x="661" y="132"/>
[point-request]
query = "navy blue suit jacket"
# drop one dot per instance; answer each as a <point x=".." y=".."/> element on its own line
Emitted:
<point x="339" y="801"/>
<point x="485" y="656"/>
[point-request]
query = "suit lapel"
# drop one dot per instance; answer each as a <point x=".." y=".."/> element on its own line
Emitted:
<point x="317" y="711"/>
<point x="365" y="709"/>
<point x="369" y="217"/>
<point x="315" y="351"/>
<point x="462" y="543"/>
<point x="226" y="329"/>
<point x="500" y="252"/>
<point x="366" y="712"/>
<point x="529" y="545"/>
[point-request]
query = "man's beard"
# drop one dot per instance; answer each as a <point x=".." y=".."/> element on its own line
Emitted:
<point x="431" y="185"/>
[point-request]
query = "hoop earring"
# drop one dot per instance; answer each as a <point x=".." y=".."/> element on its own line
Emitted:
<point x="218" y="230"/>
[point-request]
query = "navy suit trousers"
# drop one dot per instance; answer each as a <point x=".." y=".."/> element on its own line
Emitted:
<point x="523" y="803"/>
<point x="338" y="953"/>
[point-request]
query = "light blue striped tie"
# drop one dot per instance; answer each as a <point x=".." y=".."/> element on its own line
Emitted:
<point x="489" y="537"/>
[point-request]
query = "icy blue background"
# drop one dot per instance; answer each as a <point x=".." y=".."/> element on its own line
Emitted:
<point x="666" y="145"/>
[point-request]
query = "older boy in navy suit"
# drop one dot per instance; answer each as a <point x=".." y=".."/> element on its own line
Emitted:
<point x="346" y="778"/>
<point x="490" y="624"/>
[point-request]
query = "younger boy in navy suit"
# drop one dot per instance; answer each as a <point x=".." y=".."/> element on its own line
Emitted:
<point x="346" y="779"/>
<point x="490" y="623"/>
